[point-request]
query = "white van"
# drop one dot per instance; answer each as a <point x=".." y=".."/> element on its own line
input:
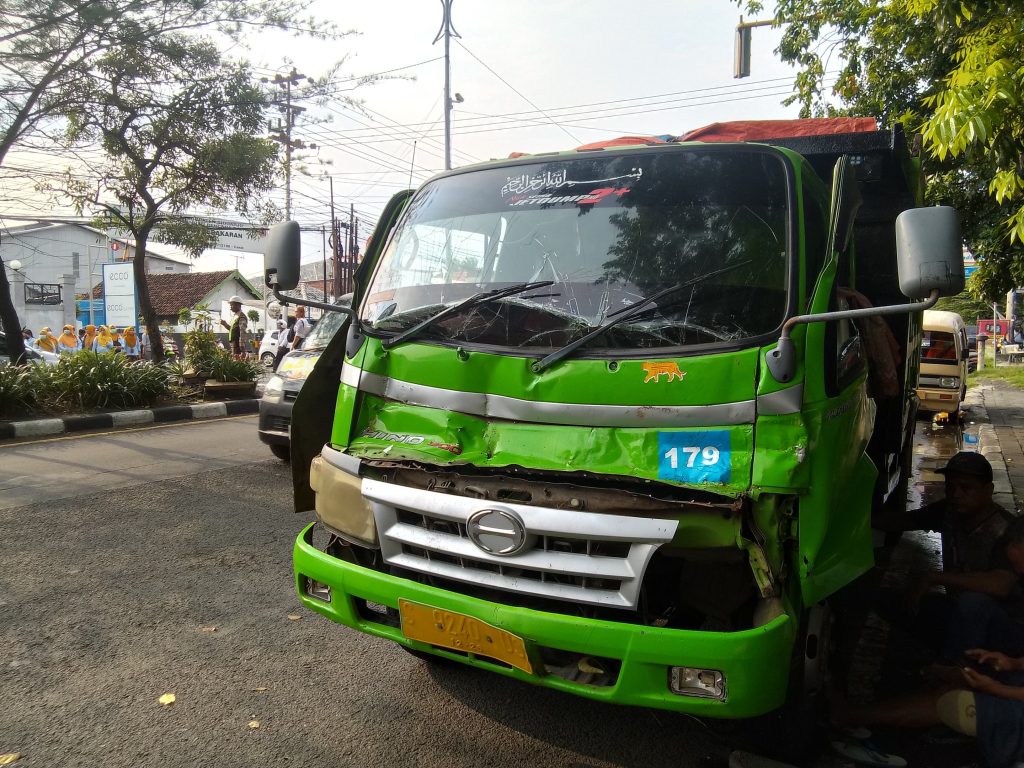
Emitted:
<point x="942" y="384"/>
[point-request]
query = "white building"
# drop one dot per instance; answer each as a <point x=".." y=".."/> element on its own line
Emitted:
<point x="56" y="259"/>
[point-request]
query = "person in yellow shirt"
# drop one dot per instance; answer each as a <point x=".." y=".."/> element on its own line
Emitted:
<point x="67" y="342"/>
<point x="46" y="340"/>
<point x="90" y="336"/>
<point x="103" y="342"/>
<point x="130" y="344"/>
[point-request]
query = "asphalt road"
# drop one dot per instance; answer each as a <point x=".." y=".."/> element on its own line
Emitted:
<point x="112" y="580"/>
<point x="158" y="560"/>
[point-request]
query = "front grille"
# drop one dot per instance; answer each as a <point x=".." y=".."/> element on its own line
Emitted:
<point x="277" y="423"/>
<point x="583" y="557"/>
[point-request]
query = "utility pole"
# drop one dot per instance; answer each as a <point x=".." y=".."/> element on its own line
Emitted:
<point x="447" y="31"/>
<point x="323" y="236"/>
<point x="284" y="134"/>
<point x="335" y="243"/>
<point x="352" y="237"/>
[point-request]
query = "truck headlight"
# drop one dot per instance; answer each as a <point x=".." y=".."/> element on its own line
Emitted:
<point x="340" y="504"/>
<point x="274" y="388"/>
<point x="950" y="382"/>
<point x="698" y="682"/>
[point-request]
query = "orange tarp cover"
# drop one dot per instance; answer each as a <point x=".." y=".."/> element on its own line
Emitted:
<point x="623" y="141"/>
<point x="755" y="130"/>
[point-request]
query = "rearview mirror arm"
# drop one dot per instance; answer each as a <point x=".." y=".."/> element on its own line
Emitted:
<point x="782" y="360"/>
<point x="316" y="304"/>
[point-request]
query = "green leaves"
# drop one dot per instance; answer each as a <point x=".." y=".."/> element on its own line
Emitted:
<point x="84" y="381"/>
<point x="951" y="70"/>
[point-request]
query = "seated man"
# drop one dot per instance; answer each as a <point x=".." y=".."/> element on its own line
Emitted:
<point x="982" y="696"/>
<point x="975" y="571"/>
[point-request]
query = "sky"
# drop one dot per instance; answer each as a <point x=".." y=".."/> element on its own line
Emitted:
<point x="533" y="75"/>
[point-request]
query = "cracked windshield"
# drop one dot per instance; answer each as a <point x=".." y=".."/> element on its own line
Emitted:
<point x="599" y="235"/>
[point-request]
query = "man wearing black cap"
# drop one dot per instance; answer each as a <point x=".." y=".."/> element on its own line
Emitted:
<point x="976" y="572"/>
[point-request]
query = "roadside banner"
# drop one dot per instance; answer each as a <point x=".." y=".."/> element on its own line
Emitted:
<point x="119" y="295"/>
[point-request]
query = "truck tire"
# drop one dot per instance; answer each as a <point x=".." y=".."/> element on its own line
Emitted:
<point x="797" y="729"/>
<point x="283" y="452"/>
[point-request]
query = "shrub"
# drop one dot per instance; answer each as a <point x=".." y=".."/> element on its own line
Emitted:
<point x="200" y="342"/>
<point x="86" y="381"/>
<point x="224" y="367"/>
<point x="17" y="390"/>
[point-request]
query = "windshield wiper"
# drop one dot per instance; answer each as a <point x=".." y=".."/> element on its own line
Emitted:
<point x="476" y="299"/>
<point x="622" y="315"/>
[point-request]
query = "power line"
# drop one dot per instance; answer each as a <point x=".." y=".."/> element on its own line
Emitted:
<point x="521" y="95"/>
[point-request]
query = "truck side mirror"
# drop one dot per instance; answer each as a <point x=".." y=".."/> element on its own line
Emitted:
<point x="929" y="252"/>
<point x="281" y="260"/>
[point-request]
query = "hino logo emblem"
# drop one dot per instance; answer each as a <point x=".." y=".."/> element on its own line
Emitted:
<point x="497" y="531"/>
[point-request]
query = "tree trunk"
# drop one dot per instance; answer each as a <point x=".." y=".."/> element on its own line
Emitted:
<point x="156" y="342"/>
<point x="9" y="320"/>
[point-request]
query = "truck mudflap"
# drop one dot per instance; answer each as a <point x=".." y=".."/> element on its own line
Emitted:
<point x="636" y="661"/>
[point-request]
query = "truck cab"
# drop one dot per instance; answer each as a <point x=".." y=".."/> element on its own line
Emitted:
<point x="608" y="421"/>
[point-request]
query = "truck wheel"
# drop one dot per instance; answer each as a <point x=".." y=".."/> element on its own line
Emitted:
<point x="798" y="727"/>
<point x="283" y="452"/>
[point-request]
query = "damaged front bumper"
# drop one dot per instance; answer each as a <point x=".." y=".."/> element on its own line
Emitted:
<point x="638" y="660"/>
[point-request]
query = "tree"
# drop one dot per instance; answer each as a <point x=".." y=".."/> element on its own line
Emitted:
<point x="49" y="50"/>
<point x="177" y="124"/>
<point x="949" y="70"/>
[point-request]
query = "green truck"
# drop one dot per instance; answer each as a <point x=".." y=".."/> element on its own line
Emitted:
<point x="614" y="421"/>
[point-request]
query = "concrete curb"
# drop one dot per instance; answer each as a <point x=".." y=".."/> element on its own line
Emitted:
<point x="987" y="444"/>
<point x="93" y="421"/>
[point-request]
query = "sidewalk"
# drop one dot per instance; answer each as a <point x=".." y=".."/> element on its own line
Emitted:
<point x="999" y="410"/>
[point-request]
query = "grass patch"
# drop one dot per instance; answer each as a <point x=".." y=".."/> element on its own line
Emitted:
<point x="1011" y="374"/>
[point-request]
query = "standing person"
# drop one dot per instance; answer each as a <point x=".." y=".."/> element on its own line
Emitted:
<point x="237" y="328"/>
<point x="131" y="345"/>
<point x="67" y="342"/>
<point x="103" y="342"/>
<point x="26" y="334"/>
<point x="284" y="338"/>
<point x="90" y="336"/>
<point x="46" y="341"/>
<point x="301" y="330"/>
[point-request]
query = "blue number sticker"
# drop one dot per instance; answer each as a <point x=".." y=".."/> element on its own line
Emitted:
<point x="695" y="457"/>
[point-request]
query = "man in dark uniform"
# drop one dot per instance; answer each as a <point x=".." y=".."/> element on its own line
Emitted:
<point x="237" y="329"/>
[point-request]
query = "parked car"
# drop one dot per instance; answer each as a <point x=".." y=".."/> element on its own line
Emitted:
<point x="972" y="346"/>
<point x="33" y="355"/>
<point x="284" y="386"/>
<point x="268" y="348"/>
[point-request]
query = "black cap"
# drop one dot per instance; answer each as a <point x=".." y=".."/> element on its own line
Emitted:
<point x="968" y="463"/>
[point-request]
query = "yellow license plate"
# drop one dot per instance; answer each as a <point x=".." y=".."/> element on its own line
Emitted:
<point x="458" y="632"/>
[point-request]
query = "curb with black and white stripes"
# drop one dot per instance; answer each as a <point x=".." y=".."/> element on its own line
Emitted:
<point x="94" y="421"/>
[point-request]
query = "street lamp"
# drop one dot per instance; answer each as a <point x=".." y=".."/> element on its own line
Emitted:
<point x="15" y="265"/>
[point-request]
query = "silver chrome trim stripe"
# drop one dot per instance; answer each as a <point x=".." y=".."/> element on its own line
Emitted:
<point x="344" y="462"/>
<point x="574" y="414"/>
<point x="568" y="414"/>
<point x="788" y="400"/>
<point x="350" y="375"/>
